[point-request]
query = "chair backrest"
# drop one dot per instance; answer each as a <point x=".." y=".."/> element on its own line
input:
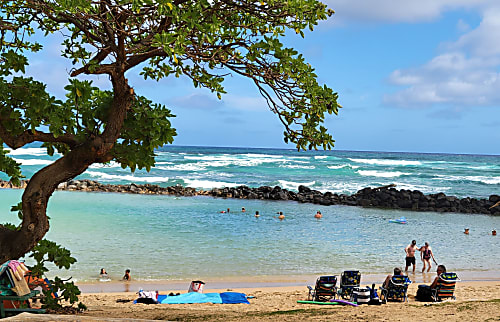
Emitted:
<point x="398" y="286"/>
<point x="326" y="284"/>
<point x="446" y="285"/>
<point x="350" y="278"/>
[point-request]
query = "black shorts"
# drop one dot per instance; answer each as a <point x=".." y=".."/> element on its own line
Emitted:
<point x="410" y="261"/>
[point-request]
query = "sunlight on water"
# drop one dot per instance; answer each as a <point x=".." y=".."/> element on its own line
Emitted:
<point x="165" y="237"/>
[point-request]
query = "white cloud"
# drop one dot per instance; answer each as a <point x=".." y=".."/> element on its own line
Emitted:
<point x="462" y="26"/>
<point x="245" y="102"/>
<point x="464" y="74"/>
<point x="393" y="11"/>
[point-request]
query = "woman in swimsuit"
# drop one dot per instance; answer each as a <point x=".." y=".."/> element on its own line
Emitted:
<point x="426" y="254"/>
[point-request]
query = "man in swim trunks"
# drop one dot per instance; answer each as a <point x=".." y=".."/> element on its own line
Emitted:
<point x="410" y="255"/>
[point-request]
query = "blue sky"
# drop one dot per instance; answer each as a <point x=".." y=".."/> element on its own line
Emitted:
<point x="413" y="76"/>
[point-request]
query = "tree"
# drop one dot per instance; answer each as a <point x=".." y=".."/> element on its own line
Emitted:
<point x="203" y="40"/>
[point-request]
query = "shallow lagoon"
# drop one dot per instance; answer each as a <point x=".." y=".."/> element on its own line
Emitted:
<point x="171" y="238"/>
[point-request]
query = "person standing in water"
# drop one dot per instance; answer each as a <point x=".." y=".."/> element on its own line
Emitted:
<point x="426" y="254"/>
<point x="410" y="255"/>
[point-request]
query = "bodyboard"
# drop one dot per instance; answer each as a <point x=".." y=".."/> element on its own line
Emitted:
<point x="331" y="302"/>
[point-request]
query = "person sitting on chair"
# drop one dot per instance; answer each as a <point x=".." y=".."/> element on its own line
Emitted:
<point x="424" y="292"/>
<point x="397" y="271"/>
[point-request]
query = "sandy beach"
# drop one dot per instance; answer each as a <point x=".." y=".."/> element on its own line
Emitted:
<point x="476" y="301"/>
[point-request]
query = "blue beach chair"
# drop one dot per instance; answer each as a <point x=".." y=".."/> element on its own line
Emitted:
<point x="348" y="281"/>
<point x="397" y="289"/>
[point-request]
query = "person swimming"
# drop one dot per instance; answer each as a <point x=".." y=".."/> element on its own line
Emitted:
<point x="257" y="214"/>
<point x="126" y="277"/>
<point x="281" y="216"/>
<point x="318" y="215"/>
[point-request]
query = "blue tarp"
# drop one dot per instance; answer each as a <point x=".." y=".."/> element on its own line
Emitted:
<point x="194" y="297"/>
<point x="233" y="298"/>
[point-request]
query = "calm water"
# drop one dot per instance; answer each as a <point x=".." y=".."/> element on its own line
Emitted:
<point x="169" y="238"/>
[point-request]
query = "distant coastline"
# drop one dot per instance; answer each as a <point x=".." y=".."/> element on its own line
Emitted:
<point x="385" y="197"/>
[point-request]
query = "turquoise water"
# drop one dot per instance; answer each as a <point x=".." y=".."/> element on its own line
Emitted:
<point x="170" y="238"/>
<point x="337" y="171"/>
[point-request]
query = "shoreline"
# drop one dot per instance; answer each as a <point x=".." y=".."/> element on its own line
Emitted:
<point x="256" y="282"/>
<point x="476" y="301"/>
<point x="384" y="197"/>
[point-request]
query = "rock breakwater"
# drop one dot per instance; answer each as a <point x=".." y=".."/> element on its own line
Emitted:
<point x="386" y="197"/>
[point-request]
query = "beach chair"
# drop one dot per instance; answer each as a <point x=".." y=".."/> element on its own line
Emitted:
<point x="324" y="290"/>
<point x="445" y="287"/>
<point x="397" y="289"/>
<point x="14" y="292"/>
<point x="348" y="281"/>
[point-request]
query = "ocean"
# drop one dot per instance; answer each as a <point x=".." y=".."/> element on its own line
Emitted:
<point x="167" y="238"/>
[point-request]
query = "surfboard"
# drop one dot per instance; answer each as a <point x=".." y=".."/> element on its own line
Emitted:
<point x="317" y="302"/>
<point x="397" y="221"/>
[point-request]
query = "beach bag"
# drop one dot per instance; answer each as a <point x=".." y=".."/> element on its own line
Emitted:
<point x="196" y="286"/>
<point x="424" y="293"/>
<point x="361" y="295"/>
<point x="374" y="299"/>
<point x="147" y="297"/>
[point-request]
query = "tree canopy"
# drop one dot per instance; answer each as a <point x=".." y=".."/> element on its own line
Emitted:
<point x="206" y="41"/>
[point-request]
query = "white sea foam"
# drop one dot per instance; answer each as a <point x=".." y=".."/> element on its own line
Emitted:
<point x="422" y="188"/>
<point x="184" y="167"/>
<point x="243" y="160"/>
<point x="387" y="162"/>
<point x="29" y="151"/>
<point x="206" y="184"/>
<point x="290" y="185"/>
<point x="342" y="166"/>
<point x="341" y="187"/>
<point x="268" y="156"/>
<point x="111" y="164"/>
<point x="319" y="157"/>
<point x="482" y="179"/>
<point x="164" y="162"/>
<point x="296" y="166"/>
<point x="33" y="161"/>
<point x="131" y="178"/>
<point x="381" y="174"/>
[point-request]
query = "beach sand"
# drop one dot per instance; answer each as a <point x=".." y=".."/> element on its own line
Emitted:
<point x="476" y="301"/>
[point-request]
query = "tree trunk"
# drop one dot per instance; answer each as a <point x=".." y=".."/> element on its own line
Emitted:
<point x="35" y="224"/>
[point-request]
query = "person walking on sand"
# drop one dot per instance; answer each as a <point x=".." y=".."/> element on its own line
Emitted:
<point x="410" y="255"/>
<point x="425" y="255"/>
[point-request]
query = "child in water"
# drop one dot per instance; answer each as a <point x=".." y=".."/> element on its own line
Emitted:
<point x="127" y="277"/>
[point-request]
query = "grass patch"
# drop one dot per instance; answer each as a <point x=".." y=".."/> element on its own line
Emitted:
<point x="297" y="311"/>
<point x="464" y="307"/>
<point x="312" y="312"/>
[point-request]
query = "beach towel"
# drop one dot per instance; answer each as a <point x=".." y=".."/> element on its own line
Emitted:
<point x="194" y="297"/>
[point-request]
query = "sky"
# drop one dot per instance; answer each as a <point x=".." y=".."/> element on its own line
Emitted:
<point x="412" y="76"/>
